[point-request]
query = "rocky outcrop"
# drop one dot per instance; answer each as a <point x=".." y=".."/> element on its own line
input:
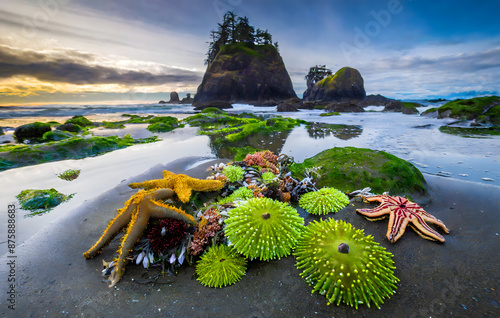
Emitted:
<point x="290" y="105"/>
<point x="344" y="86"/>
<point x="344" y="107"/>
<point x="243" y="73"/>
<point x="482" y="110"/>
<point x="219" y="105"/>
<point x="403" y="107"/>
<point x="375" y="100"/>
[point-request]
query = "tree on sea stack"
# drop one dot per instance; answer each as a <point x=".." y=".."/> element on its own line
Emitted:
<point x="316" y="74"/>
<point x="243" y="66"/>
<point x="235" y="30"/>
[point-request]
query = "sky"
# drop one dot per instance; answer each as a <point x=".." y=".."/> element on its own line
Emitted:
<point x="94" y="51"/>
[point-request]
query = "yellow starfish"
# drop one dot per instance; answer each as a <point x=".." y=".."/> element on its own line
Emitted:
<point x="137" y="211"/>
<point x="181" y="184"/>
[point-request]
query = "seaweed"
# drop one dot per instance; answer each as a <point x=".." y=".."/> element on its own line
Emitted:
<point x="41" y="201"/>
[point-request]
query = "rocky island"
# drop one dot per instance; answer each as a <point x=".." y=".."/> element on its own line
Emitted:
<point x="244" y="66"/>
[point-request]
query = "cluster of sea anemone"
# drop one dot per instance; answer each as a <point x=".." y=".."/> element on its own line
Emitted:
<point x="343" y="264"/>
<point x="233" y="173"/>
<point x="263" y="228"/>
<point x="220" y="266"/>
<point x="323" y="201"/>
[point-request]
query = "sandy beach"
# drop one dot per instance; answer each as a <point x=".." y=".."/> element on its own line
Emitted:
<point x="459" y="278"/>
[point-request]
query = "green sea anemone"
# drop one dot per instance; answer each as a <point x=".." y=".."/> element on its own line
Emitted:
<point x="234" y="173"/>
<point x="242" y="193"/>
<point x="220" y="266"/>
<point x="263" y="228"/>
<point x="268" y="176"/>
<point x="323" y="201"/>
<point x="343" y="264"/>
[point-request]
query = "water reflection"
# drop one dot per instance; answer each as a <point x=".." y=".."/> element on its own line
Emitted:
<point x="344" y="132"/>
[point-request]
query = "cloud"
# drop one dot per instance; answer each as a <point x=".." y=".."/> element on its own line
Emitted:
<point x="80" y="68"/>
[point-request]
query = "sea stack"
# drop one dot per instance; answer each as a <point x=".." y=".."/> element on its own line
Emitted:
<point x="245" y="73"/>
<point x="344" y="86"/>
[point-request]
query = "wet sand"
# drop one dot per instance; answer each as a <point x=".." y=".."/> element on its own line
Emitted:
<point x="459" y="278"/>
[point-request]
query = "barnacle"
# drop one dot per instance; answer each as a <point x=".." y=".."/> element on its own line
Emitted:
<point x="233" y="173"/>
<point x="323" y="201"/>
<point x="263" y="228"/>
<point x="220" y="266"/>
<point x="343" y="264"/>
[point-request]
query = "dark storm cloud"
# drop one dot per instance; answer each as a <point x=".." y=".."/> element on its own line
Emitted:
<point x="81" y="68"/>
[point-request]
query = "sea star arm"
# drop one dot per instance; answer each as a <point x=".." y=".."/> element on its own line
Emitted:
<point x="152" y="184"/>
<point x="396" y="227"/>
<point x="378" y="212"/>
<point x="150" y="207"/>
<point x="424" y="230"/>
<point x="114" y="227"/>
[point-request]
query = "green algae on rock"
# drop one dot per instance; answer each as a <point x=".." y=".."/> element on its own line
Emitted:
<point x="346" y="84"/>
<point x="31" y="132"/>
<point x="71" y="148"/>
<point x="263" y="228"/>
<point x="471" y="132"/>
<point x="41" y="201"/>
<point x="344" y="265"/>
<point x="350" y="169"/>
<point x="80" y="121"/>
<point x="220" y="266"/>
<point x="325" y="200"/>
<point x="162" y="124"/>
<point x="470" y="109"/>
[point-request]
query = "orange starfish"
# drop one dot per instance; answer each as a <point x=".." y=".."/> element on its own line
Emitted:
<point x="401" y="212"/>
<point x="181" y="184"/>
<point x="135" y="215"/>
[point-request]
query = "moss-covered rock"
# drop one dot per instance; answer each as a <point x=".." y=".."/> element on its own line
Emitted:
<point x="33" y="131"/>
<point x="470" y="109"/>
<point x="345" y="85"/>
<point x="69" y="127"/>
<point x="245" y="73"/>
<point x="80" y="121"/>
<point x="71" y="148"/>
<point x="41" y="201"/>
<point x="162" y="124"/>
<point x="350" y="169"/>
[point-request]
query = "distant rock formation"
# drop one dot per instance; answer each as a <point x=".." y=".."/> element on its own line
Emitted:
<point x="186" y="100"/>
<point x="174" y="98"/>
<point x="344" y="86"/>
<point x="245" y="73"/>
